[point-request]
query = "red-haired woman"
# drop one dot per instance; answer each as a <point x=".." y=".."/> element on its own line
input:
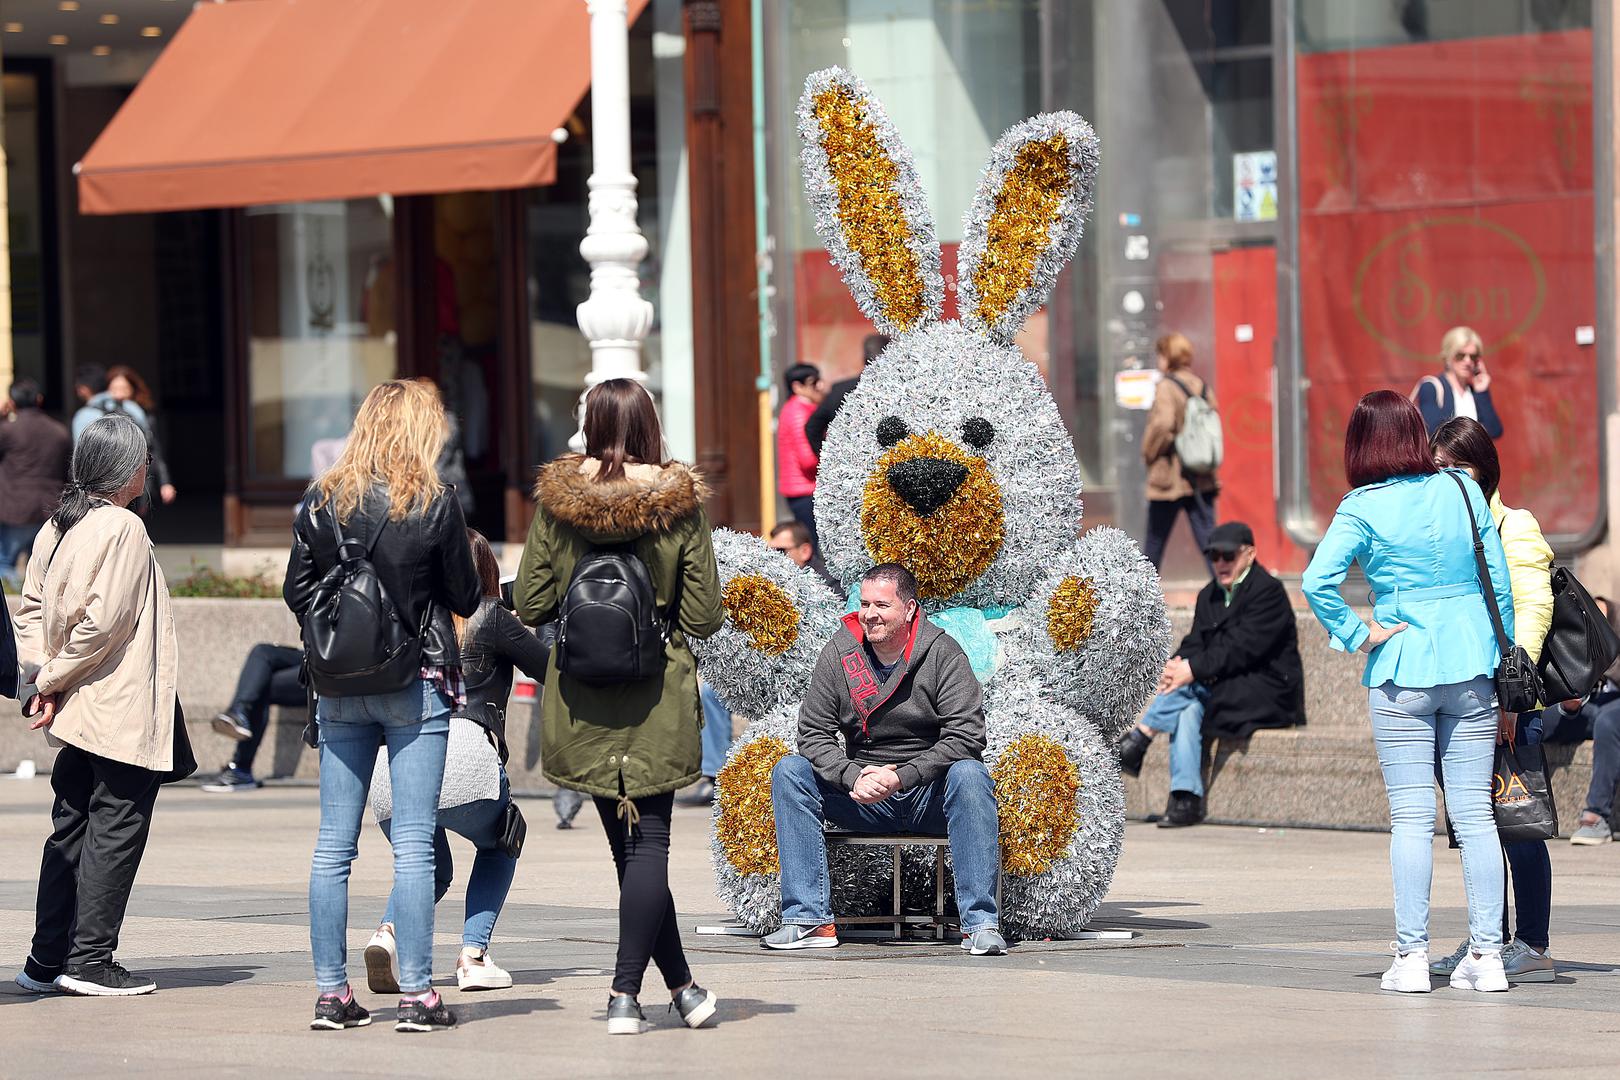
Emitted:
<point x="1432" y="653"/>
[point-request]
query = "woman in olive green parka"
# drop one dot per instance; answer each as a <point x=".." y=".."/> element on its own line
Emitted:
<point x="630" y="745"/>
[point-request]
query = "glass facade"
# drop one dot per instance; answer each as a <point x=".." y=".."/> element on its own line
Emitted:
<point x="322" y="328"/>
<point x="1312" y="191"/>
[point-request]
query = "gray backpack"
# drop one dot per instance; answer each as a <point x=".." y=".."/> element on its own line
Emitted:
<point x="1198" y="443"/>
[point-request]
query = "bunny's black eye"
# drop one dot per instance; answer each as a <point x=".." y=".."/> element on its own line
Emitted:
<point x="978" y="432"/>
<point x="891" y="429"/>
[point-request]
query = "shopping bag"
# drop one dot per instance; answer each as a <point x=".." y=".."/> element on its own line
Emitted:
<point x="1521" y="796"/>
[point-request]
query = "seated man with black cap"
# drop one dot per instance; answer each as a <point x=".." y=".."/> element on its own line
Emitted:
<point x="1238" y="669"/>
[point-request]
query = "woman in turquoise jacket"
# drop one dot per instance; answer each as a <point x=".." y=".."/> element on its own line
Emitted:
<point x="1432" y="654"/>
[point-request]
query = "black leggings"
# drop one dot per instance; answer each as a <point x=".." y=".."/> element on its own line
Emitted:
<point x="647" y="923"/>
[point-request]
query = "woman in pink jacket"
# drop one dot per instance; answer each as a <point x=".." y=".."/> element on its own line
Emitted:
<point x="795" y="460"/>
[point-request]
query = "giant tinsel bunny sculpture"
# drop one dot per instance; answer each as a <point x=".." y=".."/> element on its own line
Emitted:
<point x="950" y="458"/>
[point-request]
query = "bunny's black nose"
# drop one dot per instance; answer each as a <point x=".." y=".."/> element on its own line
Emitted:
<point x="926" y="483"/>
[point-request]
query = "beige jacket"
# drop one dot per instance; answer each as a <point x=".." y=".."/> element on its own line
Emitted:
<point x="95" y="627"/>
<point x="1165" y="480"/>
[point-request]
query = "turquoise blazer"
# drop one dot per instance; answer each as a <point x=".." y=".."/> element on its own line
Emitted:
<point x="1412" y="539"/>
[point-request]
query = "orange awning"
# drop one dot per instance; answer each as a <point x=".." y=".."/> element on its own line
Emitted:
<point x="269" y="101"/>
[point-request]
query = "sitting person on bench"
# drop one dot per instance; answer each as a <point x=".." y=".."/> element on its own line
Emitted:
<point x="903" y="695"/>
<point x="1236" y="671"/>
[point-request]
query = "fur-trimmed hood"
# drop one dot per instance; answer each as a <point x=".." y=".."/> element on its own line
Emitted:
<point x="648" y="498"/>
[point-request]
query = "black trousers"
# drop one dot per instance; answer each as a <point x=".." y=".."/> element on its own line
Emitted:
<point x="269" y="677"/>
<point x="648" y="929"/>
<point x="100" y="818"/>
<point x="1161" y="519"/>
<point x="804" y="510"/>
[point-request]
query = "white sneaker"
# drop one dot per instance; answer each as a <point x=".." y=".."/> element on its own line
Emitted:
<point x="476" y="971"/>
<point x="1480" y="970"/>
<point x="1447" y="964"/>
<point x="382" y="962"/>
<point x="1409" y="974"/>
<point x="1521" y="964"/>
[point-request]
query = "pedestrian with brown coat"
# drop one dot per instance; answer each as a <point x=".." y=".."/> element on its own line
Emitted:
<point x="96" y="641"/>
<point x="1172" y="489"/>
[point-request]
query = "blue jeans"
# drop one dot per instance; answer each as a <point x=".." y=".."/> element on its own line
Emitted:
<point x="962" y="806"/>
<point x="1181" y="713"/>
<point x="492" y="870"/>
<point x="14" y="540"/>
<point x="716" y="730"/>
<point x="1530" y="865"/>
<point x="1456" y="725"/>
<point x="415" y="724"/>
<point x="1597" y="719"/>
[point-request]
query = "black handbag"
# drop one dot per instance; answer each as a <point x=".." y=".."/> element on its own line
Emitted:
<point x="514" y="830"/>
<point x="1521" y="797"/>
<point x="1580" y="645"/>
<point x="1517" y="687"/>
<point x="185" y="760"/>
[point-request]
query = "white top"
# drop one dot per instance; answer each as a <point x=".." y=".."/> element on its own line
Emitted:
<point x="1464" y="405"/>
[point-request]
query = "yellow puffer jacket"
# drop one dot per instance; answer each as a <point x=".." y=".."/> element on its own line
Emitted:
<point x="1529" y="560"/>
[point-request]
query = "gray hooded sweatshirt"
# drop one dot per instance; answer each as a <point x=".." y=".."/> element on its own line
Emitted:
<point x="926" y="715"/>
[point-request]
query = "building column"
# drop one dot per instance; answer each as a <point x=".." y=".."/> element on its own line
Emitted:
<point x="1599" y="567"/>
<point x="725" y="287"/>
<point x="615" y="318"/>
<point x="6" y="367"/>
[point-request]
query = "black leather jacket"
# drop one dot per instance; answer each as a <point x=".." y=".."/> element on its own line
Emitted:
<point x="495" y="642"/>
<point x="424" y="561"/>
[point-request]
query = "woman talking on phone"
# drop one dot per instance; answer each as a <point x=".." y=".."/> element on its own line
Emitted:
<point x="1463" y="387"/>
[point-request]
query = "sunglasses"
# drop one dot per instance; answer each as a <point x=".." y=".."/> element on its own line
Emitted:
<point x="1221" y="556"/>
<point x="1466" y="356"/>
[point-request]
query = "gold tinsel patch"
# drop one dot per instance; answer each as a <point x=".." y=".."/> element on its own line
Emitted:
<point x="747" y="824"/>
<point x="1036" y="786"/>
<point x="950" y="547"/>
<point x="1018" y="231"/>
<point x="1070" y="611"/>
<point x="761" y="609"/>
<point x="870" y="213"/>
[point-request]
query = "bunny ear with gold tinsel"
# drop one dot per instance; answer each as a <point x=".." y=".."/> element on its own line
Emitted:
<point x="1025" y="221"/>
<point x="870" y="210"/>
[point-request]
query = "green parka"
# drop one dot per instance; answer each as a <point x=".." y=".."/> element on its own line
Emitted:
<point x="634" y="739"/>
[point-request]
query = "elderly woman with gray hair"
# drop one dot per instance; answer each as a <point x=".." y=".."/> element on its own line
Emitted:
<point x="96" y="643"/>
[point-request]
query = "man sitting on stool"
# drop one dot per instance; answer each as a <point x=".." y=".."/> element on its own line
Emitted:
<point x="1237" y="670"/>
<point x="911" y="711"/>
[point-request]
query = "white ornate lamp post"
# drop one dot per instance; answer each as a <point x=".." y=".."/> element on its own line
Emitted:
<point x="615" y="318"/>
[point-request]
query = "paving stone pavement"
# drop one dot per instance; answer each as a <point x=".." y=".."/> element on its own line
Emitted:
<point x="1257" y="954"/>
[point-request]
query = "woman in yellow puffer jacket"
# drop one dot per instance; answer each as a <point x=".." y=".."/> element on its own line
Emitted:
<point x="1462" y="443"/>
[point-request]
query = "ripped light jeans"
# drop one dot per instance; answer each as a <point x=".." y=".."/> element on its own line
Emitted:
<point x="1456" y="726"/>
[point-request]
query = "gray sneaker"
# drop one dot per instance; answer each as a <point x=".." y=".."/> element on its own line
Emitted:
<point x="1523" y="964"/>
<point x="988" y="942"/>
<point x="695" y="1004"/>
<point x="624" y="1015"/>
<point x="793" y="936"/>
<point x="1447" y="964"/>
<point x="1595" y="833"/>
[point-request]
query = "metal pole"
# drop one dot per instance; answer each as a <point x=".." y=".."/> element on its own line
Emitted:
<point x="615" y="318"/>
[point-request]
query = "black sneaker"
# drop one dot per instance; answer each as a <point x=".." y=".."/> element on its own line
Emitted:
<point x="1132" y="749"/>
<point x="104" y="979"/>
<point x="233" y="779"/>
<point x="36" y="978"/>
<point x="1183" y="809"/>
<point x="332" y="1013"/>
<point x="415" y="1014"/>
<point x="233" y="725"/>
<point x="624" y="1015"/>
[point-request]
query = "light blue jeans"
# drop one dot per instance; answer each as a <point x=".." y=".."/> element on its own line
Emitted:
<point x="961" y="805"/>
<point x="491" y="878"/>
<point x="1456" y="726"/>
<point x="415" y="725"/>
<point x="716" y="730"/>
<point x="1181" y="713"/>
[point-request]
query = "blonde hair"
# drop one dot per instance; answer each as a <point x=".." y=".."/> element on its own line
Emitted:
<point x="396" y="439"/>
<point x="1457" y="339"/>
<point x="1176" y="350"/>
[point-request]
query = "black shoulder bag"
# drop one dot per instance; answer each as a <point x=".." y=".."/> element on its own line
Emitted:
<point x="1517" y="687"/>
<point x="1580" y="643"/>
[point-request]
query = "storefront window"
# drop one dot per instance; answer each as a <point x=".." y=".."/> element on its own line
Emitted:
<point x="29" y="228"/>
<point x="321" y="328"/>
<point x="1445" y="176"/>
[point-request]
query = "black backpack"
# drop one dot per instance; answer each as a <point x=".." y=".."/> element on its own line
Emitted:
<point x="1580" y="643"/>
<point x="355" y="641"/>
<point x="609" y="629"/>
